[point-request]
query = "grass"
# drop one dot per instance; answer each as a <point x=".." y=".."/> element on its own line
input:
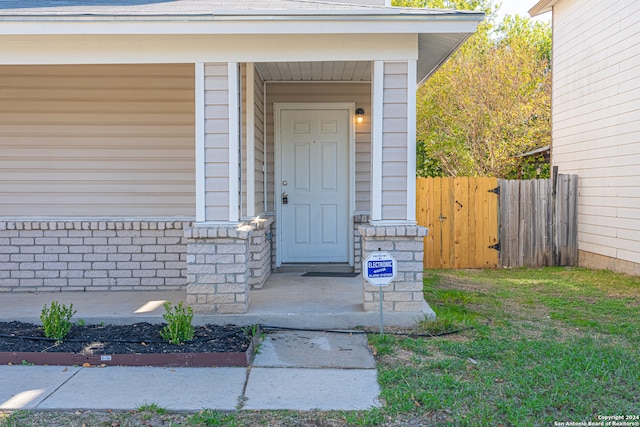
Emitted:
<point x="561" y="345"/>
<point x="510" y="347"/>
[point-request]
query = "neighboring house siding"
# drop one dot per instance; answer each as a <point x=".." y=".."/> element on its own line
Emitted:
<point x="97" y="140"/>
<point x="216" y="142"/>
<point x="596" y="124"/>
<point x="360" y="93"/>
<point x="394" y="142"/>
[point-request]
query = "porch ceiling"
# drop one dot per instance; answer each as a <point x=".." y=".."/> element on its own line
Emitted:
<point x="351" y="71"/>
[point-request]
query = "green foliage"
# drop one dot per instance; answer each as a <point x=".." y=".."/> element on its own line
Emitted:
<point x="535" y="167"/>
<point x="490" y="102"/>
<point x="485" y="6"/>
<point x="56" y="320"/>
<point x="179" y="328"/>
<point x="209" y="417"/>
<point x="152" y="408"/>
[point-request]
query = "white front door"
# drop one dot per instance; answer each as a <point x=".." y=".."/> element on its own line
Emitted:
<point x="314" y="190"/>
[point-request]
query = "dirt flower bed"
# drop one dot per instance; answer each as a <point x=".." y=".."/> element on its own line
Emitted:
<point x="137" y="338"/>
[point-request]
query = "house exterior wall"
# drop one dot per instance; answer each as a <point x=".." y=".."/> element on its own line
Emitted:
<point x="596" y="125"/>
<point x="259" y="146"/>
<point x="98" y="140"/>
<point x="216" y="141"/>
<point x="394" y="141"/>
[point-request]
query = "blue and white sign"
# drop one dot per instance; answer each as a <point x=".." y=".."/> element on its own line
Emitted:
<point x="379" y="269"/>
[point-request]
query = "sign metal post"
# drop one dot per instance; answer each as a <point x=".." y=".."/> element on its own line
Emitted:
<point x="379" y="269"/>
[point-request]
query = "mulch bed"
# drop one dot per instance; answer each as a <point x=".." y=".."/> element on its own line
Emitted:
<point x="137" y="338"/>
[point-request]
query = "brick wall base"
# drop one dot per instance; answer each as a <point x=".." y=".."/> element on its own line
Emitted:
<point x="405" y="244"/>
<point x="58" y="256"/>
<point x="358" y="220"/>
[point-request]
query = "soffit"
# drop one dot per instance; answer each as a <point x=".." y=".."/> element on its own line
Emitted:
<point x="325" y="71"/>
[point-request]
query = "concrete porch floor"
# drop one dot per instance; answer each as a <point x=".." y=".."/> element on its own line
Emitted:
<point x="286" y="300"/>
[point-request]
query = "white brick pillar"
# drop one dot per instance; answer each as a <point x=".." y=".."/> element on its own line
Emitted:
<point x="218" y="268"/>
<point x="405" y="243"/>
<point x="224" y="261"/>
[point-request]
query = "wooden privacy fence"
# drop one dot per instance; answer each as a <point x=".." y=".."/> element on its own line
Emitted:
<point x="485" y="222"/>
<point x="461" y="215"/>
<point x="538" y="222"/>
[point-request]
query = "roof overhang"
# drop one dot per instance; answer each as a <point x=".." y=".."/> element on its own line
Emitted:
<point x="439" y="32"/>
<point x="542" y="6"/>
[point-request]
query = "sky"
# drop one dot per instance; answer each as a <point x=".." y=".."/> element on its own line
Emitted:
<point x="520" y="7"/>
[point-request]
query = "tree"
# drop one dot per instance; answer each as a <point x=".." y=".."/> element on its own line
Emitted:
<point x="490" y="102"/>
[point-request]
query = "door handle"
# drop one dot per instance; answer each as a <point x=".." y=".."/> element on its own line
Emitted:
<point x="285" y="198"/>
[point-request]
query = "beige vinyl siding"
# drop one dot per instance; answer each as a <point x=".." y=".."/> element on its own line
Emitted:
<point x="97" y="141"/>
<point x="259" y="148"/>
<point x="596" y="120"/>
<point x="394" y="142"/>
<point x="258" y="119"/>
<point x="216" y="142"/>
<point x="360" y="93"/>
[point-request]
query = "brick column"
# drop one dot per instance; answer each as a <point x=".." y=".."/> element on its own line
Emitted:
<point x="405" y="244"/>
<point x="223" y="260"/>
<point x="260" y="252"/>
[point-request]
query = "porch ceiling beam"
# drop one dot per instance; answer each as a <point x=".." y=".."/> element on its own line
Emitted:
<point x="140" y="49"/>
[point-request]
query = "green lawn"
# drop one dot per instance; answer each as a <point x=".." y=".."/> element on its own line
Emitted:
<point x="511" y="347"/>
<point x="544" y="346"/>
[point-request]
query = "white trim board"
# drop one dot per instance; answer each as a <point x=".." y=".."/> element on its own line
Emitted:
<point x="377" y="106"/>
<point x="234" y="141"/>
<point x="200" y="143"/>
<point x="250" y="123"/>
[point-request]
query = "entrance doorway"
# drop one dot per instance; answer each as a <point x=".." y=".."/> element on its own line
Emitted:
<point x="313" y="184"/>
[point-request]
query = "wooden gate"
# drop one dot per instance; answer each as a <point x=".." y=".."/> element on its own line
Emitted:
<point x="462" y="217"/>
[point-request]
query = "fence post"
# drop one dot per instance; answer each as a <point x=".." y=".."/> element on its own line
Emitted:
<point x="554" y="216"/>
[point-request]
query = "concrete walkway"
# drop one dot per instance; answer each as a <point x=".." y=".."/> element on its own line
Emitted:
<point x="293" y="370"/>
<point x="286" y="300"/>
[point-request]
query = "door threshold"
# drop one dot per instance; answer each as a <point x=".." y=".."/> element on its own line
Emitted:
<point x="313" y="267"/>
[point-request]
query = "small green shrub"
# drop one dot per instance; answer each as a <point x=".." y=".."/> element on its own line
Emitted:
<point x="56" y="320"/>
<point x="179" y="328"/>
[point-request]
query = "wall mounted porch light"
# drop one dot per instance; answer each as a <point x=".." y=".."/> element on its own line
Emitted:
<point x="359" y="115"/>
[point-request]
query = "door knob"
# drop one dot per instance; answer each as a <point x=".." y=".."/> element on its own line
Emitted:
<point x="285" y="198"/>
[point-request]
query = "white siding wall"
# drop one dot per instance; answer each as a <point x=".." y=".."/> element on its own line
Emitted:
<point x="360" y="93"/>
<point x="596" y="120"/>
<point x="394" y="142"/>
<point x="216" y="142"/>
<point x="259" y="148"/>
<point x="98" y="140"/>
